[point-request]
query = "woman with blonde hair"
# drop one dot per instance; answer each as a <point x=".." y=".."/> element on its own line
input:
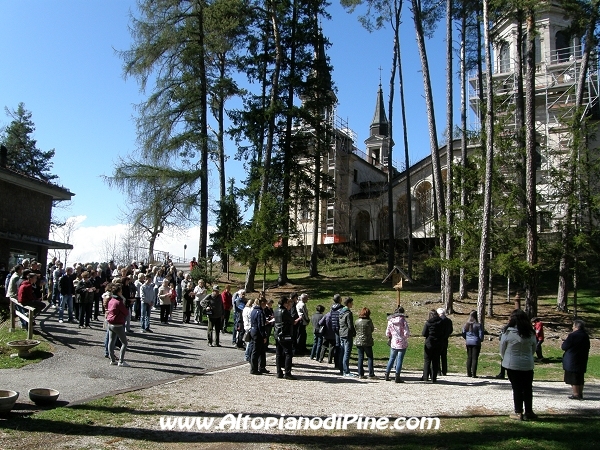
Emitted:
<point x="164" y="294"/>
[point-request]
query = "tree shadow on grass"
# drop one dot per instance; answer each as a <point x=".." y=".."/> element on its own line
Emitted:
<point x="493" y="432"/>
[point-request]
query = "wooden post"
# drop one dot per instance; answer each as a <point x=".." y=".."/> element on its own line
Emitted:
<point x="398" y="288"/>
<point x="30" y="323"/>
<point x="12" y="316"/>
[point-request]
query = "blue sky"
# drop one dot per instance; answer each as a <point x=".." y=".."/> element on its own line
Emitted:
<point x="58" y="57"/>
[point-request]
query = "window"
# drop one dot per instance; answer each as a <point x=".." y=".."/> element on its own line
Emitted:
<point x="564" y="49"/>
<point x="504" y="59"/>
<point x="545" y="221"/>
<point x="363" y="225"/>
<point x="383" y="223"/>
<point x="355" y="178"/>
<point x="424" y="203"/>
<point x="536" y="50"/>
<point x="402" y="217"/>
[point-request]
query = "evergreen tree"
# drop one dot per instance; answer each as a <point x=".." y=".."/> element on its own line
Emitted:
<point x="23" y="153"/>
<point x="228" y="226"/>
<point x="169" y="48"/>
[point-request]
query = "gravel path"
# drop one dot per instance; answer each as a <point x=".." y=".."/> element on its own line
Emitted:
<point x="320" y="391"/>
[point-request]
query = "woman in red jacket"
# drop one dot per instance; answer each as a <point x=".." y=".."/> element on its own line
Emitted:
<point x="115" y="316"/>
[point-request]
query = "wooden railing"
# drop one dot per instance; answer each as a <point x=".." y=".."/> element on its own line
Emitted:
<point x="27" y="318"/>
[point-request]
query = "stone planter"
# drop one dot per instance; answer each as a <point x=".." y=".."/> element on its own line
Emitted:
<point x="43" y="396"/>
<point x="7" y="400"/>
<point x="22" y="346"/>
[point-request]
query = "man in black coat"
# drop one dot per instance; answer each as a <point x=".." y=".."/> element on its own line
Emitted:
<point x="284" y="324"/>
<point x="448" y="329"/>
<point x="577" y="350"/>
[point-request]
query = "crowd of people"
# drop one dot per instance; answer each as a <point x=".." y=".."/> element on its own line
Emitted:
<point x="130" y="293"/>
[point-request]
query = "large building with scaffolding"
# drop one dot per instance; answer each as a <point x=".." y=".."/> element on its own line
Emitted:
<point x="357" y="208"/>
<point x="558" y="68"/>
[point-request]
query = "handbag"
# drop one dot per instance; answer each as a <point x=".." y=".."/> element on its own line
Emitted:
<point x="247" y="336"/>
<point x="321" y="329"/>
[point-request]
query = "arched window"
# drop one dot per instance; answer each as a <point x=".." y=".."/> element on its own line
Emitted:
<point x="424" y="203"/>
<point x="504" y="58"/>
<point x="383" y="223"/>
<point x="363" y="225"/>
<point x="402" y="217"/>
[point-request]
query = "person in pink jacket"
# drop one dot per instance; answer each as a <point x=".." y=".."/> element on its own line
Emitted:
<point x="397" y="332"/>
<point x="115" y="316"/>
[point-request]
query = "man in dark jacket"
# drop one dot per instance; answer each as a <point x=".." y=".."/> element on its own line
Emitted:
<point x="335" y="325"/>
<point x="284" y="325"/>
<point x="448" y="329"/>
<point x="433" y="331"/>
<point x="577" y="350"/>
<point x="258" y="332"/>
<point x="66" y="289"/>
<point x="213" y="308"/>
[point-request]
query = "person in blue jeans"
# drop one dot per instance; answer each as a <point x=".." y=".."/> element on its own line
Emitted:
<point x="364" y="341"/>
<point x="473" y="334"/>
<point x="67" y="290"/>
<point x="397" y="332"/>
<point x="148" y="301"/>
<point x="347" y="334"/>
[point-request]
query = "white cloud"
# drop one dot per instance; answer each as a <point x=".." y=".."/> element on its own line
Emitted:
<point x="89" y="243"/>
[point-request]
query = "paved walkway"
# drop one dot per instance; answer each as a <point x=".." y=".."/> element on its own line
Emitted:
<point x="80" y="371"/>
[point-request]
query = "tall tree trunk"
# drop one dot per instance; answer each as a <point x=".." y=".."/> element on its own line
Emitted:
<point x="314" y="251"/>
<point x="489" y="166"/>
<point x="390" y="164"/>
<point x="462" y="289"/>
<point x="530" y="169"/>
<point x="409" y="218"/>
<point x="271" y="111"/>
<point x="287" y="157"/>
<point x="260" y="150"/>
<point x="221" y="145"/>
<point x="203" y="133"/>
<point x="433" y="141"/>
<point x="447" y="295"/>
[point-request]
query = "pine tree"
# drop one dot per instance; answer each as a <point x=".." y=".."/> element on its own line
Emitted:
<point x="23" y="153"/>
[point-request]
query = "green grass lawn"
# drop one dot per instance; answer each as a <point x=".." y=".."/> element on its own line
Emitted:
<point x="42" y="351"/>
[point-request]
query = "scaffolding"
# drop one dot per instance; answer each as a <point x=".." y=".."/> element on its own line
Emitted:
<point x="556" y="81"/>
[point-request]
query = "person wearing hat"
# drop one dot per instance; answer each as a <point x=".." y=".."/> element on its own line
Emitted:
<point x="447" y="329"/>
<point x="212" y="305"/>
<point x="239" y="303"/>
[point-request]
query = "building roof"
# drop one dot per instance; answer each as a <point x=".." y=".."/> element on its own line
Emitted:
<point x="26" y="239"/>
<point x="380" y="124"/>
<point x="25" y="181"/>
